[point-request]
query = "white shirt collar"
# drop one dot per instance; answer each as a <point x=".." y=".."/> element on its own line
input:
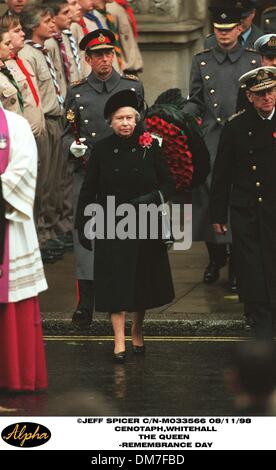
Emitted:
<point x="268" y="117"/>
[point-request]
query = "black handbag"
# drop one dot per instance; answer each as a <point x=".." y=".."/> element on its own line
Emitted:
<point x="165" y="224"/>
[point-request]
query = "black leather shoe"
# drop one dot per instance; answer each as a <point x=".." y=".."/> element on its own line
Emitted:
<point x="82" y="318"/>
<point x="47" y="257"/>
<point x="67" y="240"/>
<point x="211" y="273"/>
<point x="232" y="284"/>
<point x="138" y="349"/>
<point x="55" y="245"/>
<point x="57" y="254"/>
<point x="119" y="357"/>
<point x="248" y="324"/>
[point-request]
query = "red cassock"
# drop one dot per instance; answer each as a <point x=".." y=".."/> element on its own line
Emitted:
<point x="22" y="358"/>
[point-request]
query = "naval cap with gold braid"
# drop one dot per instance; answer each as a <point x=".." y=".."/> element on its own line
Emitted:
<point x="266" y="45"/>
<point x="259" y="79"/>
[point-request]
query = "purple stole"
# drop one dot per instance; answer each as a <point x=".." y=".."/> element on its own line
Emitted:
<point x="4" y="160"/>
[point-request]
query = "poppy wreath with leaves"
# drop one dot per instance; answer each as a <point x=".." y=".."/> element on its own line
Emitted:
<point x="166" y="118"/>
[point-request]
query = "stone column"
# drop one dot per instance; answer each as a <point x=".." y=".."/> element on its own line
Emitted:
<point x="170" y="32"/>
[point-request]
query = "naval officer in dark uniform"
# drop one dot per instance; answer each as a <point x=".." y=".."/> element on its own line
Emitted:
<point x="214" y="86"/>
<point x="244" y="179"/>
<point x="87" y="99"/>
<point x="266" y="47"/>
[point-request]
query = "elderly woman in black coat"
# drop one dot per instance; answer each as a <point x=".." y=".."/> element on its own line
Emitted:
<point x="131" y="274"/>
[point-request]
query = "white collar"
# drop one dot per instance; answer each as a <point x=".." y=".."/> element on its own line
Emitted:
<point x="268" y="117"/>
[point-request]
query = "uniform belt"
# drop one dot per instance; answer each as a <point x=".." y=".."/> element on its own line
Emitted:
<point x="52" y="116"/>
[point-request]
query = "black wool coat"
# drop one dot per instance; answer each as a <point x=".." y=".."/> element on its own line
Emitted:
<point x="130" y="274"/>
<point x="244" y="179"/>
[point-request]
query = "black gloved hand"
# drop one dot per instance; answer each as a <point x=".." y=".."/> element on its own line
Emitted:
<point x="148" y="198"/>
<point x="85" y="243"/>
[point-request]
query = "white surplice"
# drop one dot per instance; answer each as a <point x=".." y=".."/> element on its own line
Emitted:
<point x="26" y="274"/>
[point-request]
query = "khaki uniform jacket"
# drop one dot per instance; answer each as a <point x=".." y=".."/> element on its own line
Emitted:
<point x="49" y="100"/>
<point x="8" y="95"/>
<point x="132" y="59"/>
<point x="32" y="112"/>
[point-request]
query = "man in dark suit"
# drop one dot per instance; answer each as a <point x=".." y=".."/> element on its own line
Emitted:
<point x="244" y="179"/>
<point x="250" y="32"/>
<point x="87" y="100"/>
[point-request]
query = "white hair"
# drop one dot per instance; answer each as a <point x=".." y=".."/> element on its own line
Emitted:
<point x="136" y="113"/>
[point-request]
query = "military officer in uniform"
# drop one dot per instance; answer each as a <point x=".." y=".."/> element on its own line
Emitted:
<point x="244" y="179"/>
<point x="250" y="32"/>
<point x="87" y="100"/>
<point x="214" y="86"/>
<point x="266" y="47"/>
<point x="268" y="20"/>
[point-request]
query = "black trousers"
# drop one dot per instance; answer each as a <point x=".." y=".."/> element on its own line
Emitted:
<point x="217" y="253"/>
<point x="261" y="313"/>
<point x="86" y="294"/>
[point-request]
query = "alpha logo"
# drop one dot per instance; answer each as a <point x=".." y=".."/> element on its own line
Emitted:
<point x="26" y="434"/>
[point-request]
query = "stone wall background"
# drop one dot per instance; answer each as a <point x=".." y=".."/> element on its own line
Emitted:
<point x="170" y="32"/>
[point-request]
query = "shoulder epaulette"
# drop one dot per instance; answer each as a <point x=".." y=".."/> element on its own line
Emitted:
<point x="270" y="9"/>
<point x="78" y="82"/>
<point x="203" y="52"/>
<point x="209" y="35"/>
<point x="235" y="115"/>
<point x="130" y="76"/>
<point x="250" y="49"/>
